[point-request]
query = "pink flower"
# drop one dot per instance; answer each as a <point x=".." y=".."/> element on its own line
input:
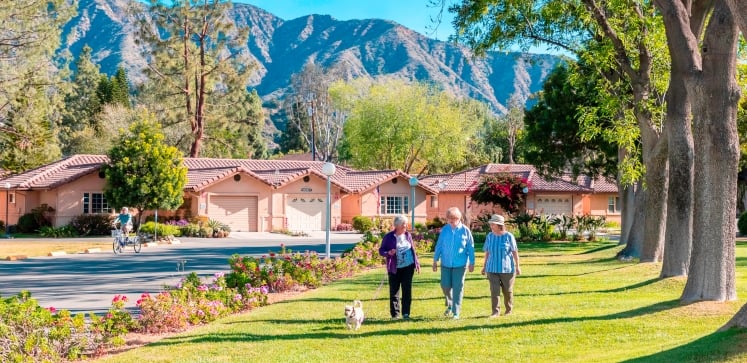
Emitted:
<point x="52" y="309"/>
<point x="219" y="274"/>
<point x="202" y="288"/>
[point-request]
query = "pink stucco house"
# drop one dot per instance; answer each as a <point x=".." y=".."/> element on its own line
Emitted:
<point x="266" y="195"/>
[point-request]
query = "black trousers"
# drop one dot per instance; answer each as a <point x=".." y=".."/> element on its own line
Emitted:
<point x="403" y="279"/>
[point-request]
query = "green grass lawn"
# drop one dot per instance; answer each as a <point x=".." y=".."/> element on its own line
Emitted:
<point x="574" y="302"/>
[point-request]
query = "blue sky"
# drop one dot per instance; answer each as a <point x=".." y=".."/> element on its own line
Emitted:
<point x="414" y="14"/>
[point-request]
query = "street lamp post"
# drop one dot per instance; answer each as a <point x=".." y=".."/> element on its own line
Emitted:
<point x="328" y="169"/>
<point x="7" y="207"/>
<point x="413" y="184"/>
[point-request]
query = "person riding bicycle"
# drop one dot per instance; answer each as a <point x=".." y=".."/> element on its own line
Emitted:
<point x="125" y="220"/>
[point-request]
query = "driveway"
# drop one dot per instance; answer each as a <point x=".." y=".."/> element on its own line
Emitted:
<point x="88" y="282"/>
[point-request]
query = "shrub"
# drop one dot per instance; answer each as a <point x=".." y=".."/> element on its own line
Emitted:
<point x="57" y="232"/>
<point x="161" y="313"/>
<point x="742" y="224"/>
<point x="191" y="230"/>
<point x="383" y="224"/>
<point x="366" y="252"/>
<point x="563" y="223"/>
<point x="479" y="237"/>
<point x="344" y="227"/>
<point x="503" y="189"/>
<point x="163" y="229"/>
<point x="110" y="330"/>
<point x="92" y="224"/>
<point x="362" y="224"/>
<point x="435" y="223"/>
<point x="27" y="224"/>
<point x="220" y="229"/>
<point x="33" y="333"/>
<point x="38" y="217"/>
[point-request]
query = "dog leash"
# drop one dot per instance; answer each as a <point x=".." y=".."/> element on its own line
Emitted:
<point x="378" y="290"/>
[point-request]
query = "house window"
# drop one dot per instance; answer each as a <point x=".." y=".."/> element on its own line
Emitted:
<point x="434" y="201"/>
<point x="12" y="198"/>
<point x="394" y="204"/>
<point x="613" y="204"/>
<point x="94" y="203"/>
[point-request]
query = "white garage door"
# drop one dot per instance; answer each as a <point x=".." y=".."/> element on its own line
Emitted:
<point x="238" y="212"/>
<point x="554" y="204"/>
<point x="306" y="212"/>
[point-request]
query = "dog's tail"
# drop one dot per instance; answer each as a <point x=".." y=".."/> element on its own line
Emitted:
<point x="358" y="303"/>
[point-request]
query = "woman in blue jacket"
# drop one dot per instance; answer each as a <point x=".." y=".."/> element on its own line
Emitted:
<point x="401" y="264"/>
<point x="455" y="248"/>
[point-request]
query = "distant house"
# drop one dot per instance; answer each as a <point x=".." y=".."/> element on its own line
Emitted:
<point x="553" y="196"/>
<point x="266" y="195"/>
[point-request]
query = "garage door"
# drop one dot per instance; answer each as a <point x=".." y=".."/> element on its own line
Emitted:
<point x="306" y="212"/>
<point x="238" y="212"/>
<point x="554" y="204"/>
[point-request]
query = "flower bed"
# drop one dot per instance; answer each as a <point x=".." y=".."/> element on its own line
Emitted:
<point x="29" y="332"/>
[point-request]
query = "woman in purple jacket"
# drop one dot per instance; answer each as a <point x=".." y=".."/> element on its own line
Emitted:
<point x="401" y="264"/>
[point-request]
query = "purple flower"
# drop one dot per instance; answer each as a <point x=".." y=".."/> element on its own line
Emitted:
<point x="202" y="288"/>
<point x="237" y="297"/>
<point x="219" y="274"/>
<point x="264" y="290"/>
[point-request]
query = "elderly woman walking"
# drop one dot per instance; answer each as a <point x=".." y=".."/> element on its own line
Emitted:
<point x="501" y="264"/>
<point x="401" y="264"/>
<point x="455" y="248"/>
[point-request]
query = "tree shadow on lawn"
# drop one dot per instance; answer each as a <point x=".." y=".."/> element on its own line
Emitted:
<point x="715" y="347"/>
<point x="615" y="290"/>
<point x="338" y="331"/>
<point x="561" y="247"/>
<point x="578" y="274"/>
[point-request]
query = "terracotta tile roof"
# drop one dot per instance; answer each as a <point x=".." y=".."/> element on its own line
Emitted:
<point x="467" y="180"/>
<point x="203" y="172"/>
<point x="604" y="185"/>
<point x="55" y="174"/>
<point x="301" y="156"/>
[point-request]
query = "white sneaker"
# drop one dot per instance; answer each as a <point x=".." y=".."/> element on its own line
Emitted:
<point x="447" y="313"/>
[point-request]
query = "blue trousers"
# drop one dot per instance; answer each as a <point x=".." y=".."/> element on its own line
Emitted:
<point x="452" y="284"/>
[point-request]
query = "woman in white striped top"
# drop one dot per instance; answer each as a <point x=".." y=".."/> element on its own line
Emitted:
<point x="501" y="264"/>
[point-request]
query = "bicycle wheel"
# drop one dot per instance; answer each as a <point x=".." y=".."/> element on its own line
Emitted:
<point x="136" y="245"/>
<point x="117" y="246"/>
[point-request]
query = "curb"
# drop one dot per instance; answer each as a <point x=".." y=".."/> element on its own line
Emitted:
<point x="57" y="253"/>
<point x="16" y="258"/>
<point x="150" y="244"/>
<point x="93" y="250"/>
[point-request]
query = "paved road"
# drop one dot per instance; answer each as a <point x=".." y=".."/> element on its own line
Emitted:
<point x="88" y="282"/>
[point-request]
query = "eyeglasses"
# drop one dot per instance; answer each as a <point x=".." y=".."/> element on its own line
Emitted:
<point x="453" y="218"/>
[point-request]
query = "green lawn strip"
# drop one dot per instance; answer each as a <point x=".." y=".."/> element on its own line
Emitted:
<point x="578" y="305"/>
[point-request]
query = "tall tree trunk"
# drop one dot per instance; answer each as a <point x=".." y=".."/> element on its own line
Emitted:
<point x="739" y="9"/>
<point x="712" y="265"/>
<point x="634" y="240"/>
<point x="657" y="172"/>
<point x="678" y="238"/>
<point x="628" y="207"/>
<point x="627" y="202"/>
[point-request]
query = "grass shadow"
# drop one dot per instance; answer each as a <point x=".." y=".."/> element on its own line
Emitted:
<point x="338" y="332"/>
<point x="716" y="347"/>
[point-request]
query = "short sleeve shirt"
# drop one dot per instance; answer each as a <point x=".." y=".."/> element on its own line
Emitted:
<point x="404" y="252"/>
<point x="500" y="248"/>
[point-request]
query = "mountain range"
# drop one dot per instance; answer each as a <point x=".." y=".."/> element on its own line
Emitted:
<point x="369" y="47"/>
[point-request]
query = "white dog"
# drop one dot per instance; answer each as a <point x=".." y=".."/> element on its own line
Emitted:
<point x="354" y="315"/>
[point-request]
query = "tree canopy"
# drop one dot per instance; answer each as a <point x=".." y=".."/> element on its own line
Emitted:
<point x="413" y="127"/>
<point x="144" y="172"/>
<point x="198" y="78"/>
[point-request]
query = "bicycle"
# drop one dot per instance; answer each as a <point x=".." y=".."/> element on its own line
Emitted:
<point x="122" y="240"/>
